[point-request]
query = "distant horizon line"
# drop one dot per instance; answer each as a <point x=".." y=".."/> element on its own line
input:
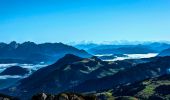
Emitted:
<point x="115" y="42"/>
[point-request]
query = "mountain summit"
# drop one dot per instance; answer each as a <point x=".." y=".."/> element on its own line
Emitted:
<point x="66" y="73"/>
<point x="35" y="53"/>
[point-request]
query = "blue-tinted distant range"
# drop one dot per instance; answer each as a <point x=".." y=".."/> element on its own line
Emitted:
<point x="78" y="20"/>
<point x="85" y="49"/>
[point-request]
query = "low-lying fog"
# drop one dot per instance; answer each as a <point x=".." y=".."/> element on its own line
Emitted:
<point x="30" y="67"/>
<point x="107" y="57"/>
<point x="111" y="57"/>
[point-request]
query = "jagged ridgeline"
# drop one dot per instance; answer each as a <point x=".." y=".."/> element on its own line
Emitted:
<point x="30" y="52"/>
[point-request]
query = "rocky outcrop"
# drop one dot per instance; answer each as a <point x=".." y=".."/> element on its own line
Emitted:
<point x="63" y="96"/>
<point x="5" y="97"/>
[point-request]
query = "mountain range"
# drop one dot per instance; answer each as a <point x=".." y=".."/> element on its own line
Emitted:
<point x="153" y="47"/>
<point x="74" y="72"/>
<point x="139" y="72"/>
<point x="30" y="52"/>
<point x="66" y="73"/>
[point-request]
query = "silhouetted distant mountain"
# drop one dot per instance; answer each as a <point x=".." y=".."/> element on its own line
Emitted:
<point x="67" y="72"/>
<point x="31" y="52"/>
<point x="139" y="72"/>
<point x="15" y="70"/>
<point x="156" y="46"/>
<point x="165" y="52"/>
<point x="150" y="47"/>
<point x="122" y="49"/>
<point x="86" y="46"/>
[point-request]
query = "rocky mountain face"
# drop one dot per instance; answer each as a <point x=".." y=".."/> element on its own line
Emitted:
<point x="6" y="97"/>
<point x="15" y="70"/>
<point x="35" y="53"/>
<point x="139" y="72"/>
<point x="66" y="73"/>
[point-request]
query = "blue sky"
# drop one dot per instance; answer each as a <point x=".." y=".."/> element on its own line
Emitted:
<point x="84" y="20"/>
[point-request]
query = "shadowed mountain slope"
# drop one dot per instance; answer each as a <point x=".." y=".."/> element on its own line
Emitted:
<point x="165" y="52"/>
<point x="139" y="72"/>
<point x="67" y="72"/>
<point x="36" y="53"/>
